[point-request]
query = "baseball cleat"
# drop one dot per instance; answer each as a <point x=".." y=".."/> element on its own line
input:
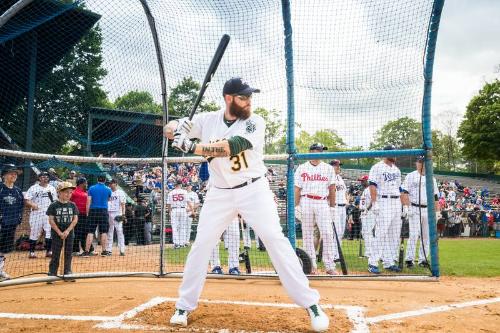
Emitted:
<point x="409" y="264"/>
<point x="424" y="264"/>
<point x="234" y="271"/>
<point x="393" y="268"/>
<point x="48" y="254"/>
<point x="4" y="276"/>
<point x="373" y="269"/>
<point x="122" y="254"/>
<point x="85" y="254"/>
<point x="319" y="320"/>
<point x="179" y="317"/>
<point x="32" y="255"/>
<point x="217" y="270"/>
<point x="332" y="272"/>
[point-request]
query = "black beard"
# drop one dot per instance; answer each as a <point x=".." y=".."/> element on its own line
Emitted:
<point x="238" y="111"/>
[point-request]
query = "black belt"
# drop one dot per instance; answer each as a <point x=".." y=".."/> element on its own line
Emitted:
<point x="341" y="205"/>
<point x="178" y="207"/>
<point x="248" y="182"/>
<point x="390" y="196"/>
<point x="417" y="205"/>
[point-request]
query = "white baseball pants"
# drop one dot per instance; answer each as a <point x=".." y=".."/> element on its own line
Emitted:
<point x="233" y="247"/>
<point x="367" y="225"/>
<point x="179" y="222"/>
<point x="318" y="211"/>
<point x="39" y="221"/>
<point x="118" y="226"/>
<point x="188" y="230"/>
<point x="255" y="203"/>
<point x="387" y="232"/>
<point x="415" y="234"/>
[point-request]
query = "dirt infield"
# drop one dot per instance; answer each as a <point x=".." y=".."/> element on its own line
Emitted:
<point x="251" y="306"/>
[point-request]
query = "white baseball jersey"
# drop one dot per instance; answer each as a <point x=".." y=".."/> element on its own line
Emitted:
<point x="410" y="185"/>
<point x="452" y="195"/>
<point x="340" y="188"/>
<point x="365" y="199"/>
<point x="386" y="178"/>
<point x="177" y="198"/>
<point x="40" y="196"/>
<point x="227" y="172"/>
<point x="314" y="180"/>
<point x="117" y="198"/>
<point x="193" y="198"/>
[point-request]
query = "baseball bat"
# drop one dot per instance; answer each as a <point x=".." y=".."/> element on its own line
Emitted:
<point x="248" y="265"/>
<point x="341" y="254"/>
<point x="61" y="261"/>
<point x="401" y="249"/>
<point x="211" y="71"/>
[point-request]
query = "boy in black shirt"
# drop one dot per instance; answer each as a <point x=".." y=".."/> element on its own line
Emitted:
<point x="63" y="216"/>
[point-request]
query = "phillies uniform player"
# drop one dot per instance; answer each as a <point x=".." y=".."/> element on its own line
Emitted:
<point x="315" y="193"/>
<point x="385" y="184"/>
<point x="39" y="197"/>
<point x="339" y="214"/>
<point x="116" y="207"/>
<point x="232" y="139"/>
<point x="415" y="203"/>
<point x="193" y="204"/>
<point x="232" y="243"/>
<point x="367" y="218"/>
<point x="177" y="201"/>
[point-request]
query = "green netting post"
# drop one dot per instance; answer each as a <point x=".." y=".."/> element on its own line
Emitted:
<point x="427" y="131"/>
<point x="290" y="121"/>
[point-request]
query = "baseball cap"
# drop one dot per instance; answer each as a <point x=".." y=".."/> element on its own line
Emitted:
<point x="236" y="86"/>
<point x="81" y="180"/>
<point x="10" y="168"/>
<point x="318" y="146"/>
<point x="65" y="185"/>
<point x="363" y="178"/>
<point x="335" y="162"/>
<point x="420" y="158"/>
<point x="43" y="174"/>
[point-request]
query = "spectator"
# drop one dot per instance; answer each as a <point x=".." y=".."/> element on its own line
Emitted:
<point x="281" y="191"/>
<point x="79" y="197"/>
<point x="63" y="216"/>
<point x="140" y="212"/>
<point x="98" y="198"/>
<point x="129" y="230"/>
<point x="452" y="197"/>
<point x="11" y="213"/>
<point x="72" y="177"/>
<point x="54" y="179"/>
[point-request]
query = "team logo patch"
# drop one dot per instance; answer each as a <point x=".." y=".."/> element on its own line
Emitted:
<point x="250" y="126"/>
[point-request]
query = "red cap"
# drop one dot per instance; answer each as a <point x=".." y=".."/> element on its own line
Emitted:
<point x="363" y="178"/>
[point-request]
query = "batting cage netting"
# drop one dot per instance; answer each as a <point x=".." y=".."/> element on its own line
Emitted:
<point x="86" y="87"/>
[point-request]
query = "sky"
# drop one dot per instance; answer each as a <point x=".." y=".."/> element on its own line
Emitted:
<point x="468" y="55"/>
<point x="356" y="66"/>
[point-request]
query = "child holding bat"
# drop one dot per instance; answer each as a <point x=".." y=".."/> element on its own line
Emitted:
<point x="63" y="216"/>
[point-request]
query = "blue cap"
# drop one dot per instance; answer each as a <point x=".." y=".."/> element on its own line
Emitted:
<point x="318" y="146"/>
<point x="236" y="86"/>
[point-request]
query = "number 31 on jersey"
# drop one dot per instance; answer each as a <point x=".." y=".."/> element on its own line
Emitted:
<point x="238" y="162"/>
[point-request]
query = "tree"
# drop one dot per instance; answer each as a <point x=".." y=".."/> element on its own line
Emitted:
<point x="274" y="130"/>
<point x="327" y="137"/>
<point x="404" y="133"/>
<point x="479" y="132"/>
<point x="140" y="101"/>
<point x="183" y="96"/>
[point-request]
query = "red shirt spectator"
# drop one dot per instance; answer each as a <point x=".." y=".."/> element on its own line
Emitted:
<point x="79" y="197"/>
<point x="495" y="201"/>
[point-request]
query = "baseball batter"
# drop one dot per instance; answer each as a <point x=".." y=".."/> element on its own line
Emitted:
<point x="315" y="193"/>
<point x="232" y="139"/>
<point x="339" y="214"/>
<point x="177" y="202"/>
<point x="367" y="218"/>
<point x="40" y="196"/>
<point x="385" y="183"/>
<point x="116" y="207"/>
<point x="415" y="204"/>
<point x="232" y="243"/>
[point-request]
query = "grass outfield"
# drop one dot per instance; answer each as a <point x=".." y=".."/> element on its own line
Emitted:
<point x="478" y="257"/>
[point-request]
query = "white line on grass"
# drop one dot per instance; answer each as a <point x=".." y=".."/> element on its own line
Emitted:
<point x="427" y="310"/>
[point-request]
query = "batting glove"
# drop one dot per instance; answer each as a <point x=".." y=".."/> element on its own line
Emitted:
<point x="184" y="126"/>
<point x="375" y="208"/>
<point x="182" y="143"/>
<point x="405" y="213"/>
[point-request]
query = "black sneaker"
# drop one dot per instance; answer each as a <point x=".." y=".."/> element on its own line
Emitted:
<point x="105" y="253"/>
<point x="85" y="254"/>
<point x="424" y="264"/>
<point x="409" y="264"/>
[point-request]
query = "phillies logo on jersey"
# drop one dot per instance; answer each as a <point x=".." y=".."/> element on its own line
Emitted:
<point x="317" y="177"/>
<point x="389" y="177"/>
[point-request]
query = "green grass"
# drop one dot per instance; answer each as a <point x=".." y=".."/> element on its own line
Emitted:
<point x="458" y="257"/>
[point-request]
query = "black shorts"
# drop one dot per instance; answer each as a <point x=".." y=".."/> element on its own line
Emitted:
<point x="98" y="218"/>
